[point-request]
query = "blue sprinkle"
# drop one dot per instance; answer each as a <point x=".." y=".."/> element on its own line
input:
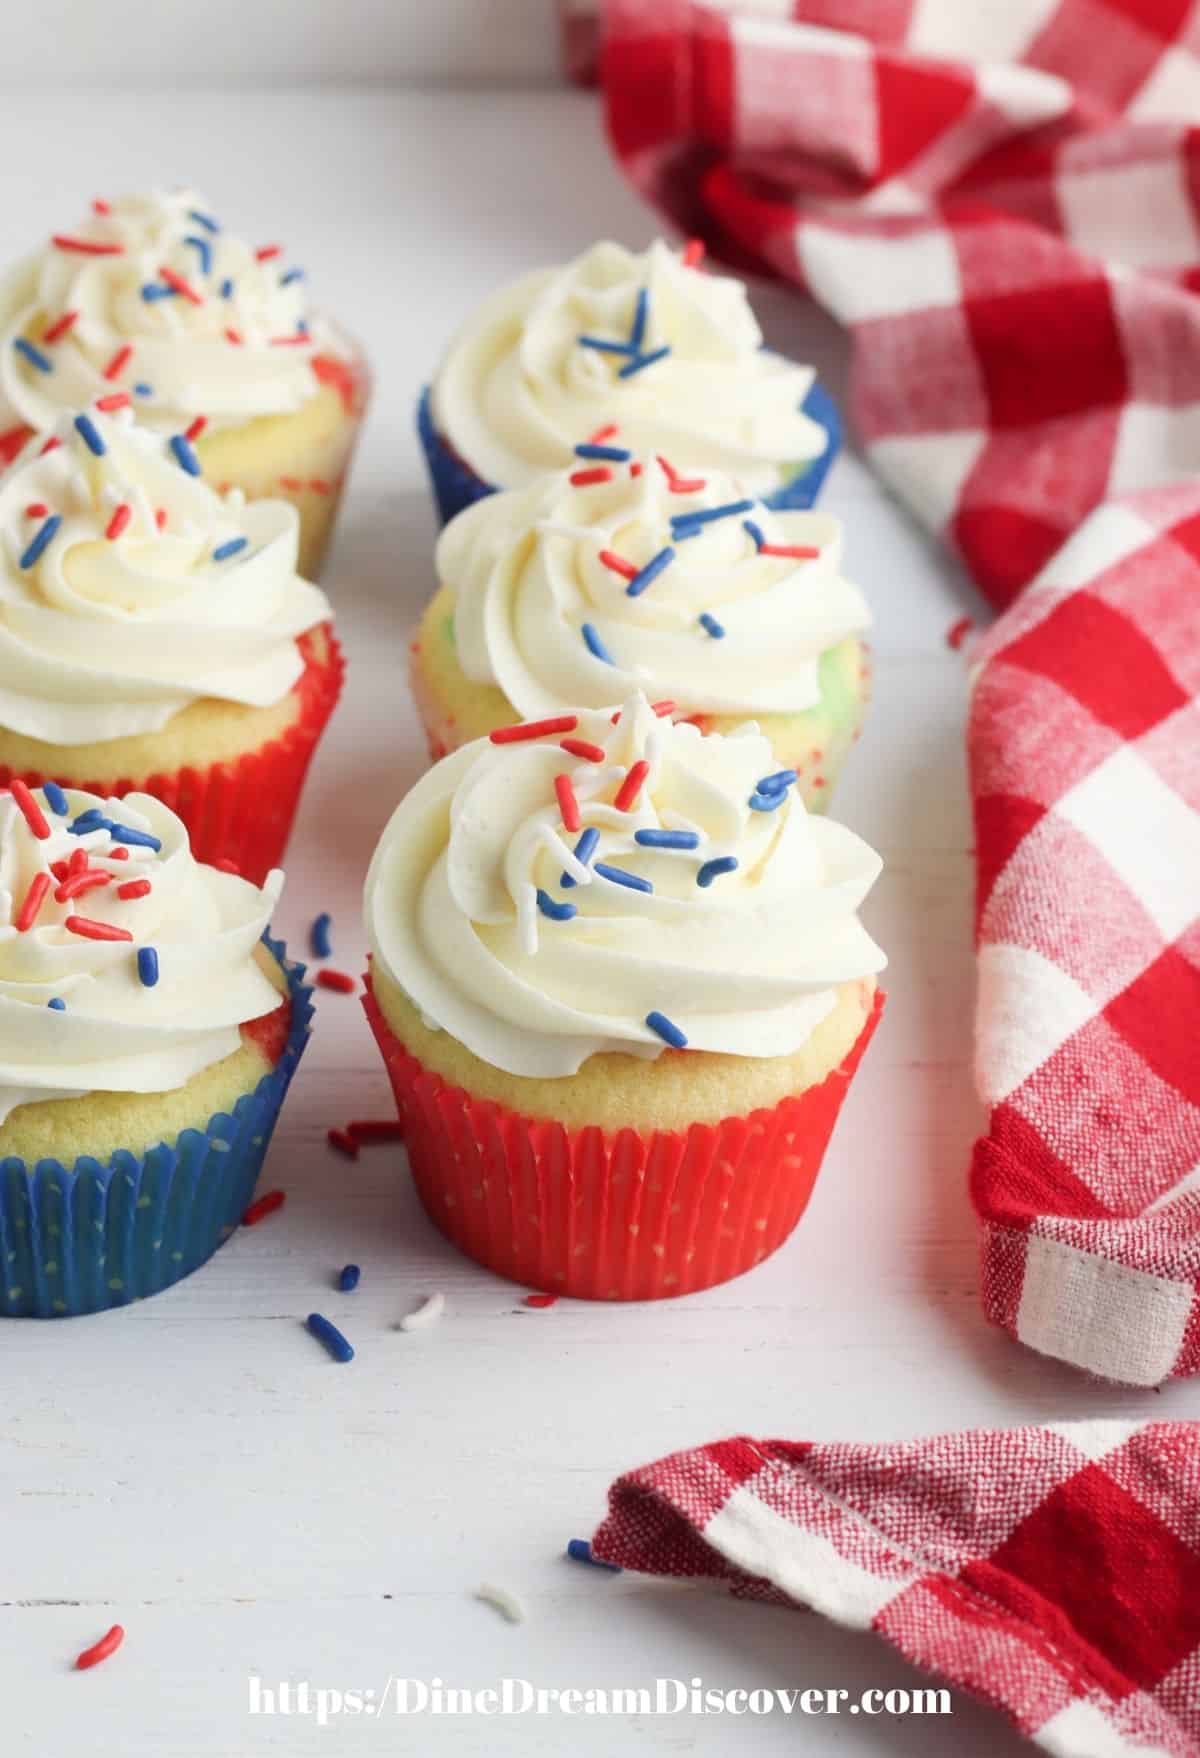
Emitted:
<point x="667" y="1030"/>
<point x="713" y="869"/>
<point x="326" y="1333"/>
<point x="619" y="876"/>
<point x="157" y="290"/>
<point x="650" y="572"/>
<point x="34" y="355"/>
<point x="142" y="389"/>
<point x="585" y="848"/>
<point x="58" y="1004"/>
<point x="223" y="551"/>
<point x="755" y="532"/>
<point x="92" y="819"/>
<point x="348" y="1280"/>
<point x="642" y="360"/>
<point x="147" y="966"/>
<point x="85" y="427"/>
<point x="318" y="936"/>
<point x="41" y="538"/>
<point x="604" y="346"/>
<point x="204" y="250"/>
<point x="205" y="220"/>
<point x="711" y="626"/>
<point x="291" y="275"/>
<point x="226" y="289"/>
<point x="641" y="311"/>
<point x="185" y="457"/>
<point x="55" y="798"/>
<point x="580" y="1551"/>
<point x="557" y="912"/>
<point x="767" y="802"/>
<point x="616" y="454"/>
<point x="771" y="784"/>
<point x="706" y="515"/>
<point x="667" y="838"/>
<point x="302" y="327"/>
<point x="595" y="644"/>
<point x="136" y="838"/>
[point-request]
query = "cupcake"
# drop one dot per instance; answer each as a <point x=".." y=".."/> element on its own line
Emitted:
<point x="622" y="574"/>
<point x="150" y="1032"/>
<point x="650" y="345"/>
<point x="150" y="295"/>
<point x="155" y="636"/>
<point x="619" y="1000"/>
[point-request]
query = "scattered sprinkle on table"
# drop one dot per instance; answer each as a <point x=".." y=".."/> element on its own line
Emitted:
<point x="341" y="981"/>
<point x="319" y="936"/>
<point x="428" y="1313"/>
<point x="343" y="1142"/>
<point x="957" y="633"/>
<point x="108" y="1644"/>
<point x="580" y="1551"/>
<point x="507" y="1604"/>
<point x="365" y="1130"/>
<point x="348" y="1279"/>
<point x="540" y="1300"/>
<point x="338" y="1346"/>
<point x="265" y="1205"/>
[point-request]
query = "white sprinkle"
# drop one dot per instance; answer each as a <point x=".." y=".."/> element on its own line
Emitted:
<point x="552" y="528"/>
<point x="582" y="875"/>
<point x="428" y="1313"/>
<point x="507" y="1604"/>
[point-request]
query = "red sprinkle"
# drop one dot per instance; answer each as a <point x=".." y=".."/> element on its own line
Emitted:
<point x="75" y="884"/>
<point x="86" y="246"/>
<point x="225" y="865"/>
<point x="631" y="787"/>
<point x="265" y="1205"/>
<point x="267" y="252"/>
<point x="90" y="930"/>
<point x="36" y="510"/>
<point x="296" y="341"/>
<point x="693" y="253"/>
<point x="675" y="482"/>
<point x="197" y="428"/>
<point x="957" y="633"/>
<point x="581" y="748"/>
<point x="533" y="729"/>
<point x="618" y="564"/>
<point x="60" y="326"/>
<point x="119" y="362"/>
<point x="365" y="1130"/>
<point x="342" y="981"/>
<point x="540" y="1300"/>
<point x="78" y="861"/>
<point x="585" y="478"/>
<point x="291" y="482"/>
<point x="568" y="805"/>
<point x="134" y="888"/>
<point x="59" y="869"/>
<point x="29" y="809"/>
<point x="803" y="552"/>
<point x="635" y="470"/>
<point x="35" y="897"/>
<point x="50" y="444"/>
<point x="180" y="286"/>
<point x="663" y="708"/>
<point x="108" y="1644"/>
<point x="233" y="336"/>
<point x="601" y="434"/>
<point x="343" y="1142"/>
<point x="117" y="854"/>
<point x="160" y="517"/>
<point x="101" y="207"/>
<point x="113" y="400"/>
<point x="121" y="517"/>
<point x="319" y="485"/>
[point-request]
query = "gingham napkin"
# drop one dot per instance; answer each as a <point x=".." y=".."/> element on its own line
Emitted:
<point x="1014" y="246"/>
<point x="1052" y="1572"/>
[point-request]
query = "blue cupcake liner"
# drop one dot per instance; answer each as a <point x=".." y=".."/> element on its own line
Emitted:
<point x="456" y="486"/>
<point x="94" y="1236"/>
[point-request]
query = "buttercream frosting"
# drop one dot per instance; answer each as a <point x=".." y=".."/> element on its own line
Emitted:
<point x="671" y="353"/>
<point x="238" y="343"/>
<point x="190" y="594"/>
<point x="575" y="591"/>
<point x="115" y="1031"/>
<point x="642" y="944"/>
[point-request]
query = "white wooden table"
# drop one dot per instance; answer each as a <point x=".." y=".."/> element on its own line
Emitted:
<point x="196" y="1467"/>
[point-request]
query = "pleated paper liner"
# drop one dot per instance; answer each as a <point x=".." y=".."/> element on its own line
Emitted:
<point x="610" y="1216"/>
<point x="455" y="485"/>
<point x="241" y="810"/>
<point x="83" y="1238"/>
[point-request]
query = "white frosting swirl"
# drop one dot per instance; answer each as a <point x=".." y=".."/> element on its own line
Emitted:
<point x="517" y="388"/>
<point x="528" y="577"/>
<point x="103" y="638"/>
<point x="242" y="346"/>
<point x="114" y="1033"/>
<point x="743" y="962"/>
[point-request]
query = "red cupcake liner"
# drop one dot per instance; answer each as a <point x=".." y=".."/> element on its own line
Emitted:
<point x="240" y="811"/>
<point x="611" y="1216"/>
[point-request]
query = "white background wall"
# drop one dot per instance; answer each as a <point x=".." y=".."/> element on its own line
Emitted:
<point x="131" y="44"/>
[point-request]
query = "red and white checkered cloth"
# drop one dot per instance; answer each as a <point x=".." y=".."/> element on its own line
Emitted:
<point x="1052" y="1572"/>
<point x="1013" y="242"/>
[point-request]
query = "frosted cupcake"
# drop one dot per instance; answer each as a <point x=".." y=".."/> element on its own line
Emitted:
<point x="149" y="294"/>
<point x="155" y="635"/>
<point x="619" y="1001"/>
<point x="647" y="343"/>
<point x="148" y="1033"/>
<point x="621" y="574"/>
